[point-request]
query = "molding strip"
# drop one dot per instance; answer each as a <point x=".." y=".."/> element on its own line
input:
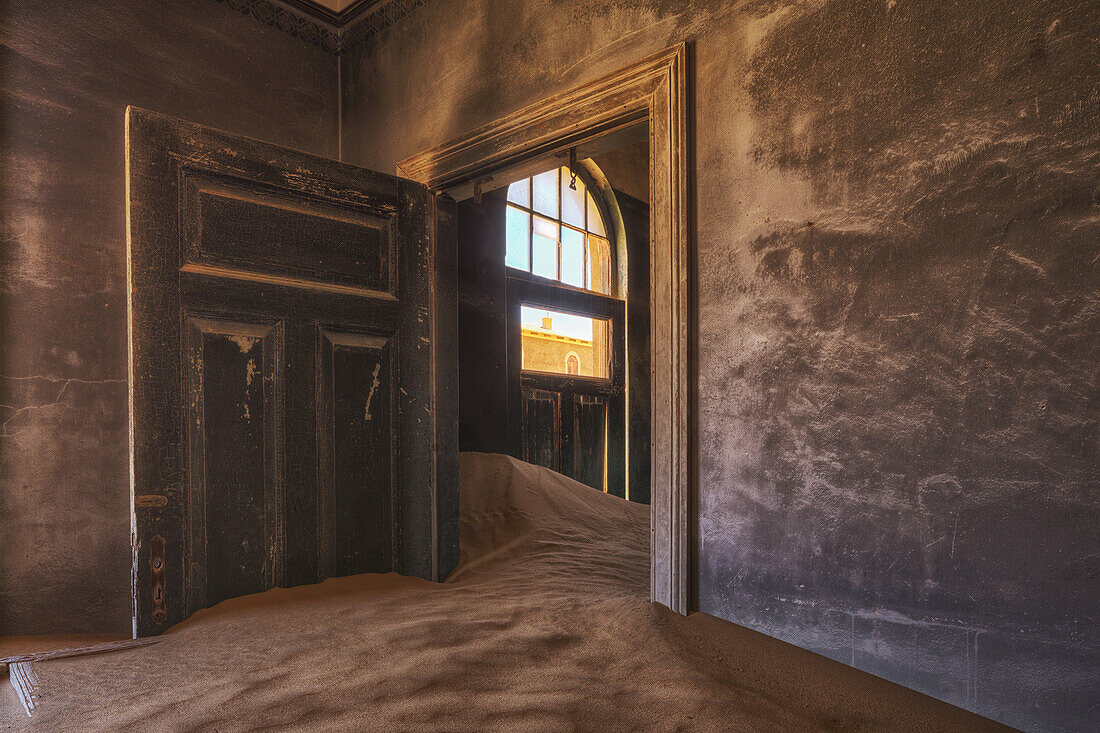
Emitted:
<point x="337" y="18"/>
<point x="335" y="33"/>
<point x="653" y="90"/>
<point x="232" y="273"/>
<point x="291" y="22"/>
<point x="372" y="24"/>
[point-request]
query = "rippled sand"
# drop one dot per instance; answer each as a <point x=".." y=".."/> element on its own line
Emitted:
<point x="545" y="626"/>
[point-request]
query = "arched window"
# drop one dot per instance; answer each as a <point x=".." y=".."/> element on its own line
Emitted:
<point x="572" y="364"/>
<point x="557" y="232"/>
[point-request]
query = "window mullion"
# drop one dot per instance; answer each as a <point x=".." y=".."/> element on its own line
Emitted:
<point x="559" y="224"/>
<point x="531" y="226"/>
<point x="585" y="254"/>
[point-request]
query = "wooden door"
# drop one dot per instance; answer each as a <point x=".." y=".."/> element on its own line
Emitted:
<point x="292" y="370"/>
<point x="575" y="425"/>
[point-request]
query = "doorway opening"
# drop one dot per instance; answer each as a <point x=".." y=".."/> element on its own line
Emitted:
<point x="542" y="328"/>
<point x="571" y="399"/>
<point x="646" y="100"/>
<point x="553" y="317"/>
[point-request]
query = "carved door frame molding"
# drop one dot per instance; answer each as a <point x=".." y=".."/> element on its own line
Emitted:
<point x="653" y="90"/>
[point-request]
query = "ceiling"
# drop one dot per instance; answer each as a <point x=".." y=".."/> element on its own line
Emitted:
<point x="334" y="5"/>
<point x="339" y="12"/>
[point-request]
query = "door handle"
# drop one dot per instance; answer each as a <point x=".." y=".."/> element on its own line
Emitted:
<point x="156" y="565"/>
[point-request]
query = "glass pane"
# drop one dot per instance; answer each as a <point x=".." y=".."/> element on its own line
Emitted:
<point x="572" y="257"/>
<point x="599" y="264"/>
<point x="572" y="202"/>
<point x="518" y="237"/>
<point x="545" y="189"/>
<point x="520" y="193"/>
<point x="545" y="247"/>
<point x="546" y="228"/>
<point x="563" y="343"/>
<point x="595" y="221"/>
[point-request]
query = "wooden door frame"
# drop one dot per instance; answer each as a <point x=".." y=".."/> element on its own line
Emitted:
<point x="591" y="117"/>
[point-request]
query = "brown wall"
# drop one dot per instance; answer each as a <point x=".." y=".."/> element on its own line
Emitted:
<point x="896" y="235"/>
<point x="896" y="238"/>
<point x="67" y="72"/>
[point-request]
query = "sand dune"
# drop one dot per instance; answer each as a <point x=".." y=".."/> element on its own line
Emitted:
<point x="544" y="626"/>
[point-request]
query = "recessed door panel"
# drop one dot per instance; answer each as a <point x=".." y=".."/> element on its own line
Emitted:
<point x="264" y="231"/>
<point x="542" y="428"/>
<point x="589" y="437"/>
<point x="235" y="450"/>
<point x="356" y="451"/>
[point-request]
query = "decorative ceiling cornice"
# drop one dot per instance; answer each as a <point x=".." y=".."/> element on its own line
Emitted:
<point x="373" y="23"/>
<point x="337" y="18"/>
<point x="335" y="33"/>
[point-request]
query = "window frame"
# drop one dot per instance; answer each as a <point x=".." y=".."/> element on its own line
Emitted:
<point x="590" y="200"/>
<point x="608" y="364"/>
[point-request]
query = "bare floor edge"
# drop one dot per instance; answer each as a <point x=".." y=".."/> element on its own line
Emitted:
<point x="544" y="626"/>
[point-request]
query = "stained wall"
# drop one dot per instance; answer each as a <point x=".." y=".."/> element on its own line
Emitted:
<point x="67" y="72"/>
<point x="895" y="211"/>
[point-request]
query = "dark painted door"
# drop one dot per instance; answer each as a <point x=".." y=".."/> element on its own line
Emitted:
<point x="573" y="424"/>
<point x="292" y="370"/>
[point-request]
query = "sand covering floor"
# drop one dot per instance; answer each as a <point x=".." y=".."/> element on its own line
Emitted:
<point x="545" y="626"/>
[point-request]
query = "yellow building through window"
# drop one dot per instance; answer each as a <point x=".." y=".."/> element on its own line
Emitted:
<point x="563" y="343"/>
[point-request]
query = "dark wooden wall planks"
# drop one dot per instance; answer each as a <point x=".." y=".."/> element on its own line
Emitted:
<point x="635" y="216"/>
<point x="482" y="325"/>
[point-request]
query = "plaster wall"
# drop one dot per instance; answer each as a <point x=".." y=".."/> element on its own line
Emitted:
<point x="897" y="217"/>
<point x="67" y="72"/>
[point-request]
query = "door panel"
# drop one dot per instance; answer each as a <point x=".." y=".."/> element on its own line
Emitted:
<point x="234" y="456"/>
<point x="542" y="428"/>
<point x="232" y="224"/>
<point x="589" y="437"/>
<point x="356" y="449"/>
<point x="292" y="370"/>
